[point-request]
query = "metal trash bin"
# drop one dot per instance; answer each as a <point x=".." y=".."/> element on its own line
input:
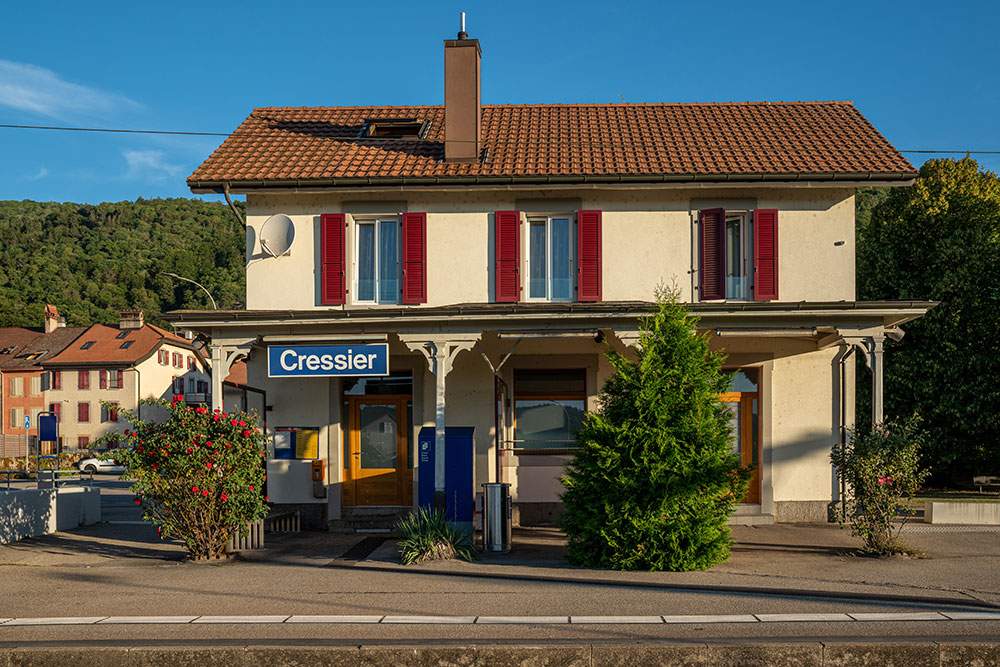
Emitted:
<point x="496" y="518"/>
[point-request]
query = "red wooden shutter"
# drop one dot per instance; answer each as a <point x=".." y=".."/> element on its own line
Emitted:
<point x="57" y="379"/>
<point x="83" y="380"/>
<point x="507" y="228"/>
<point x="588" y="255"/>
<point x="103" y="379"/>
<point x="414" y="257"/>
<point x="765" y="254"/>
<point x="83" y="412"/>
<point x="333" y="259"/>
<point x="711" y="271"/>
<point x="120" y="379"/>
<point x="56" y="408"/>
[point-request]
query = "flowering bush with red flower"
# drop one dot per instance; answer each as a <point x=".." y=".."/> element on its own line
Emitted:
<point x="197" y="476"/>
<point x="880" y="467"/>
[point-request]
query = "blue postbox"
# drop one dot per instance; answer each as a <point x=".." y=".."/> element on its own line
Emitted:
<point x="459" y="446"/>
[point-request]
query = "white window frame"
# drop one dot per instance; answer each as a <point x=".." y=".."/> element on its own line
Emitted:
<point x="376" y="222"/>
<point x="535" y="219"/>
<point x="746" y="254"/>
<point x="16" y="386"/>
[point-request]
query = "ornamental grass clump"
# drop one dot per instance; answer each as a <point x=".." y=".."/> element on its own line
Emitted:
<point x="655" y="479"/>
<point x="198" y="475"/>
<point x="880" y="468"/>
<point x="428" y="535"/>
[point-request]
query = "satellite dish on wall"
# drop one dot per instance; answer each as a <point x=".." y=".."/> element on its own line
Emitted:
<point x="277" y="234"/>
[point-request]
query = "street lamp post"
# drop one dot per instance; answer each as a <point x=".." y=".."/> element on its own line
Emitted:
<point x="174" y="275"/>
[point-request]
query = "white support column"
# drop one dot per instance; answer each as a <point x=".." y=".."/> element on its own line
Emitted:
<point x="871" y="343"/>
<point x="223" y="357"/>
<point x="440" y="351"/>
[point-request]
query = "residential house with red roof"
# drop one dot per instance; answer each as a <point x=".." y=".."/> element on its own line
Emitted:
<point x="22" y="352"/>
<point x="120" y="365"/>
<point x="467" y="264"/>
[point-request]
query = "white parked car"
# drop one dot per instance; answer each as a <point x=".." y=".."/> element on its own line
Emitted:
<point x="97" y="465"/>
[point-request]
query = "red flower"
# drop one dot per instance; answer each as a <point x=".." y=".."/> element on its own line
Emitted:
<point x="209" y="465"/>
<point x="137" y="501"/>
<point x="267" y="498"/>
<point x="233" y="422"/>
<point x="243" y="423"/>
<point x="246" y="433"/>
<point x="139" y="450"/>
<point x="194" y="489"/>
<point x="224" y="497"/>
<point x="208" y="443"/>
<point x="251" y="487"/>
<point x="205" y="492"/>
<point x="217" y="410"/>
<point x="201" y="411"/>
<point x="188" y="450"/>
<point x="178" y="397"/>
<point x="155" y="466"/>
<point x="216" y="418"/>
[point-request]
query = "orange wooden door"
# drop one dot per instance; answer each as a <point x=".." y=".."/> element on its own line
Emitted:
<point x="376" y="461"/>
<point x="743" y="407"/>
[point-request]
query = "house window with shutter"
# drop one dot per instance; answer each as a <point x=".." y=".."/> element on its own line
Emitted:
<point x="83" y="412"/>
<point x="561" y="256"/>
<point x="376" y="260"/>
<point x="116" y="379"/>
<point x="57" y="379"/>
<point x="83" y="380"/>
<point x="738" y="255"/>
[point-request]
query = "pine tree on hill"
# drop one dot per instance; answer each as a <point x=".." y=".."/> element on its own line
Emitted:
<point x="655" y="480"/>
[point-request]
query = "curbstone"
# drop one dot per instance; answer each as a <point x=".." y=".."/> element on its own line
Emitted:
<point x="749" y="655"/>
<point x="971" y="655"/>
<point x="475" y="656"/>
<point x="646" y="655"/>
<point x="302" y="656"/>
<point x="187" y="656"/>
<point x="77" y="656"/>
<point x="880" y="654"/>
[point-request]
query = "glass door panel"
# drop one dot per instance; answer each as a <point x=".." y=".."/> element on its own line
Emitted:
<point x="378" y="428"/>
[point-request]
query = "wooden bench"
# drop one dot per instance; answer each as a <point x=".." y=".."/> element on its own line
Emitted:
<point x="988" y="481"/>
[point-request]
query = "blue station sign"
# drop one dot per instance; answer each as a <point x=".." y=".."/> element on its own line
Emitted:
<point x="327" y="360"/>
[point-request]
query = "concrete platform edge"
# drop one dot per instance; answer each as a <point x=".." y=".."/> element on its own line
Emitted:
<point x="584" y="654"/>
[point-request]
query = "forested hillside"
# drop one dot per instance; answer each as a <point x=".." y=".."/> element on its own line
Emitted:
<point x="92" y="261"/>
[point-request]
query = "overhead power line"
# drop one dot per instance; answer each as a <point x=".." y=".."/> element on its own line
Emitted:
<point x="428" y="141"/>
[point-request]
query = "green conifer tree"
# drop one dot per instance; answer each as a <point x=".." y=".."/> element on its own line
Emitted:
<point x="655" y="479"/>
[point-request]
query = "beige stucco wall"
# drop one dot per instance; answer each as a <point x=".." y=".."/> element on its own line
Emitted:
<point x="649" y="238"/>
<point x="148" y="379"/>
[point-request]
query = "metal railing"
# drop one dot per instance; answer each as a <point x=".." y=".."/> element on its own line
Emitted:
<point x="53" y="476"/>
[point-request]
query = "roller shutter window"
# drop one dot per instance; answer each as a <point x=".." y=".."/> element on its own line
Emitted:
<point x="711" y="269"/>
<point x="414" y="258"/>
<point x="765" y="254"/>
<point x="507" y="268"/>
<point x="588" y="255"/>
<point x="333" y="259"/>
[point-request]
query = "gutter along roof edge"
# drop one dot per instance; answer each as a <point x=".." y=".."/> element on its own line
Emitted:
<point x="418" y="182"/>
<point x="472" y="313"/>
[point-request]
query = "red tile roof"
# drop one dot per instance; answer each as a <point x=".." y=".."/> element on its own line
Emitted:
<point x="279" y="146"/>
<point x="107" y="347"/>
<point x="27" y="342"/>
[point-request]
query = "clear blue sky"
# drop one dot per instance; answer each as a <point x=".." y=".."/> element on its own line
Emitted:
<point x="924" y="73"/>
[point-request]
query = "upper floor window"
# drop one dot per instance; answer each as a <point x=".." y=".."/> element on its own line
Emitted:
<point x="388" y="259"/>
<point x="376" y="261"/>
<point x="83" y="379"/>
<point x="57" y="379"/>
<point x="738" y="254"/>
<point x="550" y="258"/>
<point x="16" y="385"/>
<point x="36" y="385"/>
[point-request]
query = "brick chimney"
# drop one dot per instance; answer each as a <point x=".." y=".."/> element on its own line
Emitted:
<point x="462" y="79"/>
<point x="52" y="319"/>
<point x="130" y="319"/>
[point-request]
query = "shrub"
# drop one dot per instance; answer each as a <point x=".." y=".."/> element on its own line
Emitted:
<point x="880" y="467"/>
<point x="655" y="478"/>
<point x="198" y="475"/>
<point x="427" y="535"/>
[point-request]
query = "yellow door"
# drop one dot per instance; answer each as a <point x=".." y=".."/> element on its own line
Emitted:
<point x="376" y="463"/>
<point x="743" y="407"/>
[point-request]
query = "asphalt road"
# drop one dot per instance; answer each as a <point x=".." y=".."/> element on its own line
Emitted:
<point x="122" y="569"/>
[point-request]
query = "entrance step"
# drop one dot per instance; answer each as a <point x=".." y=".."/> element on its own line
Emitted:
<point x="368" y="519"/>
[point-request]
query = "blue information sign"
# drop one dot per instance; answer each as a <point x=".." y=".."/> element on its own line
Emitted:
<point x="327" y="360"/>
<point x="48" y="428"/>
<point x="27" y="422"/>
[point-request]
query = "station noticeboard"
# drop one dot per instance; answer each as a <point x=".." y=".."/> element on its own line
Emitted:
<point x="328" y="360"/>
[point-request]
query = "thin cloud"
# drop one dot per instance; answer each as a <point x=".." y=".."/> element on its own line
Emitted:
<point x="149" y="164"/>
<point x="38" y="90"/>
<point x="42" y="173"/>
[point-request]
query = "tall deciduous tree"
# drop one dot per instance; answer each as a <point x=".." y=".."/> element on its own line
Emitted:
<point x="655" y="479"/>
<point x="940" y="240"/>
